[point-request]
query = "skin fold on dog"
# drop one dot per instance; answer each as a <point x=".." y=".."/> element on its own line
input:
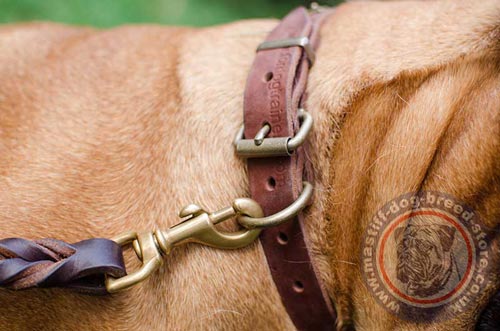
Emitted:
<point x="106" y="131"/>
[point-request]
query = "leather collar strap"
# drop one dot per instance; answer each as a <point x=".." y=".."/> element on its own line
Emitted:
<point x="274" y="92"/>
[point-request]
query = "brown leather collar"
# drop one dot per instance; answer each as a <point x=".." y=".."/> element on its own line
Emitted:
<point x="274" y="93"/>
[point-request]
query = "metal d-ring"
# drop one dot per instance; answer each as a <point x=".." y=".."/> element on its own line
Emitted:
<point x="305" y="128"/>
<point x="282" y="216"/>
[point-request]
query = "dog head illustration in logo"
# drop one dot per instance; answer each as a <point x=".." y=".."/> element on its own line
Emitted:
<point x="425" y="258"/>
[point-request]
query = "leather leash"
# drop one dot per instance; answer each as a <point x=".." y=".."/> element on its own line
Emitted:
<point x="274" y="93"/>
<point x="49" y="262"/>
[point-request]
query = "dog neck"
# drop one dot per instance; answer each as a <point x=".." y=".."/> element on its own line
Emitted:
<point x="346" y="85"/>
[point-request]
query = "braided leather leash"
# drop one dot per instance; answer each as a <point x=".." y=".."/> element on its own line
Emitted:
<point x="50" y="262"/>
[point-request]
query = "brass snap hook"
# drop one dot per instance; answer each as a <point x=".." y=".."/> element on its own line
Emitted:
<point x="198" y="227"/>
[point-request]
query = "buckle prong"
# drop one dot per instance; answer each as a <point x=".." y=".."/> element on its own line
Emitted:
<point x="263" y="132"/>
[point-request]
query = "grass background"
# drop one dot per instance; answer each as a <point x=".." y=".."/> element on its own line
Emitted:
<point x="107" y="13"/>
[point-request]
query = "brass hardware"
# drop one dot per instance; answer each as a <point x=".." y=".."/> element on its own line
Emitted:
<point x="281" y="216"/>
<point x="198" y="227"/>
<point x="148" y="253"/>
<point x="305" y="128"/>
<point x="276" y="146"/>
<point x="240" y="135"/>
<point x="269" y="147"/>
<point x="290" y="42"/>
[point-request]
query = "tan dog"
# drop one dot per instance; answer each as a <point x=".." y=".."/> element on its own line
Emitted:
<point x="107" y="131"/>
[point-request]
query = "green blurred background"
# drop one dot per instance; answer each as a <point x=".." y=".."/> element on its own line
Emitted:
<point x="106" y="13"/>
